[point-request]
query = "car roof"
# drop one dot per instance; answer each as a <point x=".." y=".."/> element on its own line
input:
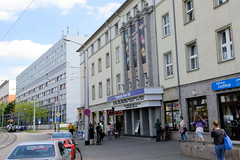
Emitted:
<point x="61" y="133"/>
<point x="38" y="142"/>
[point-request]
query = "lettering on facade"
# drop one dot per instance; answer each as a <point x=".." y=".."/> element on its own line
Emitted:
<point x="223" y="85"/>
<point x="134" y="105"/>
<point x="129" y="100"/>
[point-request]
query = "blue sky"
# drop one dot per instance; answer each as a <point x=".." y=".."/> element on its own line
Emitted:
<point x="41" y="26"/>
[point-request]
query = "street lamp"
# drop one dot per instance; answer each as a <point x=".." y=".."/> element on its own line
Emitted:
<point x="86" y="89"/>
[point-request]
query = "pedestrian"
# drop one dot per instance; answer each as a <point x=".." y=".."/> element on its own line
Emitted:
<point x="199" y="122"/>
<point x="109" y="130"/>
<point x="157" y="127"/>
<point x="70" y="127"/>
<point x="91" y="135"/>
<point x="182" y="129"/>
<point x="166" y="132"/>
<point x="55" y="127"/>
<point x="119" y="128"/>
<point x="99" y="134"/>
<point x="218" y="135"/>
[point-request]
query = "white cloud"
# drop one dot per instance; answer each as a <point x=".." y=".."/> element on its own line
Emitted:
<point x="16" y="70"/>
<point x="9" y="8"/>
<point x="107" y="10"/>
<point x="22" y="50"/>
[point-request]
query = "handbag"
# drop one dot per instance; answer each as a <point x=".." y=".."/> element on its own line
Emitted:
<point x="185" y="129"/>
<point x="227" y="141"/>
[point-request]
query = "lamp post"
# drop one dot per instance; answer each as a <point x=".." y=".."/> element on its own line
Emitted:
<point x="34" y="115"/>
<point x="86" y="89"/>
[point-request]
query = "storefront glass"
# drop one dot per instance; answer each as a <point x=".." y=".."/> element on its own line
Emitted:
<point x="230" y="114"/>
<point x="172" y="114"/>
<point x="198" y="106"/>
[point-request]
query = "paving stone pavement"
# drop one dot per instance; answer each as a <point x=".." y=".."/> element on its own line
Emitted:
<point x="132" y="148"/>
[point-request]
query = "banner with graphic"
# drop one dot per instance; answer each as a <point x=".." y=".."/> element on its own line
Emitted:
<point x="142" y="44"/>
<point x="127" y="52"/>
<point x="134" y="48"/>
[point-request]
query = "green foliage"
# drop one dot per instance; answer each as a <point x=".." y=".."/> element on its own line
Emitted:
<point x="3" y="106"/>
<point x="26" y="110"/>
<point x="10" y="108"/>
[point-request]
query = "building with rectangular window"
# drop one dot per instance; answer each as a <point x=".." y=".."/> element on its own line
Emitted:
<point x="205" y="73"/>
<point x="8" y="91"/>
<point x="53" y="80"/>
<point x="127" y="91"/>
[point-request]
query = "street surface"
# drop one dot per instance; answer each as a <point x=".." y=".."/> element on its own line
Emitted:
<point x="132" y="148"/>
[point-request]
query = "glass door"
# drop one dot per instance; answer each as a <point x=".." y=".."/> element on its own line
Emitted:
<point x="227" y="116"/>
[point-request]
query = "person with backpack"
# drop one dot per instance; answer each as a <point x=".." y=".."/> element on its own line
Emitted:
<point x="199" y="122"/>
<point x="91" y="135"/>
<point x="218" y="135"/>
<point x="99" y="134"/>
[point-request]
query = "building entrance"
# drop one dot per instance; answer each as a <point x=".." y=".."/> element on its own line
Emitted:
<point x="230" y="114"/>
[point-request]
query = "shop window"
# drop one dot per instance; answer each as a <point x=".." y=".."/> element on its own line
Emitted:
<point x="197" y="106"/>
<point x="172" y="114"/>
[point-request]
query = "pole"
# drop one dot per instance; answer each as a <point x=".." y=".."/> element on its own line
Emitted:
<point x="34" y="115"/>
<point x="2" y="116"/>
<point x="86" y="95"/>
<point x="58" y="125"/>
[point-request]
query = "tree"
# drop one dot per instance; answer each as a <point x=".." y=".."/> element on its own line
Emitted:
<point x="26" y="110"/>
<point x="10" y="107"/>
<point x="2" y="109"/>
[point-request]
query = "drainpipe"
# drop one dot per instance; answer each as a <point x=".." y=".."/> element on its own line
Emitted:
<point x="156" y="42"/>
<point x="110" y="57"/>
<point x="176" y="47"/>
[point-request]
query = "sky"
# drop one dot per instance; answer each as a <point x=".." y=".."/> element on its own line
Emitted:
<point x="41" y="25"/>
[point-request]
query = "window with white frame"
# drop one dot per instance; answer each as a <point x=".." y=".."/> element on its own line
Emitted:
<point x="93" y="92"/>
<point x="118" y="83"/>
<point x="108" y="87"/>
<point x="189" y="10"/>
<point x="226" y="44"/>
<point x="100" y="89"/>
<point x="107" y="60"/>
<point x="116" y="29"/>
<point x="166" y="25"/>
<point x="99" y="65"/>
<point x="93" y="69"/>
<point x="169" y="65"/>
<point x="117" y="55"/>
<point x="106" y="37"/>
<point x="193" y="57"/>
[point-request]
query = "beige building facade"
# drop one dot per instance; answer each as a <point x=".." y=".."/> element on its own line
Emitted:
<point x="198" y="63"/>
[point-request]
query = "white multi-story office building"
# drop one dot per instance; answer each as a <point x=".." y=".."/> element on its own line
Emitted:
<point x="8" y="91"/>
<point x="53" y="80"/>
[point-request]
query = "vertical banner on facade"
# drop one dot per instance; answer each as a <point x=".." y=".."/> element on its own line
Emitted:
<point x="142" y="44"/>
<point x="127" y="52"/>
<point x="134" y="48"/>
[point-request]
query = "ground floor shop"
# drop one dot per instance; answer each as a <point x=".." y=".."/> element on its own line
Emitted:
<point x="215" y="99"/>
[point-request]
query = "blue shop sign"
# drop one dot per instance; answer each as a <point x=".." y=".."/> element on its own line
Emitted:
<point x="126" y="95"/>
<point x="225" y="84"/>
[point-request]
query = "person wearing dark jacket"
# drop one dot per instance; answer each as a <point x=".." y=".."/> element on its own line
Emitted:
<point x="218" y="135"/>
<point x="91" y="135"/>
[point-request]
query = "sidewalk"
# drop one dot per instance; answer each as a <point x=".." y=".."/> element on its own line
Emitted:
<point x="50" y="132"/>
<point x="132" y="148"/>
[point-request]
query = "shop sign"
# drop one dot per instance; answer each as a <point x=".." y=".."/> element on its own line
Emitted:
<point x="127" y="101"/>
<point x="118" y="113"/>
<point x="126" y="95"/>
<point x="110" y="112"/>
<point x="225" y="84"/>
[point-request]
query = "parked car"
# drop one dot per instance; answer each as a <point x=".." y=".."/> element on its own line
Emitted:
<point x="64" y="135"/>
<point x="47" y="150"/>
<point x="70" y="146"/>
<point x="11" y="128"/>
<point x="22" y="128"/>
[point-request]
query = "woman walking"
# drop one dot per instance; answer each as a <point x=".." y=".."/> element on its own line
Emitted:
<point x="199" y="122"/>
<point x="218" y="135"/>
<point x="109" y="130"/>
<point x="182" y="129"/>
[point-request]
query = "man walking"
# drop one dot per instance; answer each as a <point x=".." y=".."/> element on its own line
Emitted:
<point x="70" y="127"/>
<point x="158" y="130"/>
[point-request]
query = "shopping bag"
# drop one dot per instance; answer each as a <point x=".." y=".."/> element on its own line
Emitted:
<point x="227" y="142"/>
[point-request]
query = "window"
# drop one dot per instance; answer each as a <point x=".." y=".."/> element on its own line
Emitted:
<point x="189" y="10"/>
<point x="118" y="82"/>
<point x="99" y="65"/>
<point x="93" y="69"/>
<point x="169" y="65"/>
<point x="100" y="89"/>
<point x="197" y="106"/>
<point x="108" y="87"/>
<point x="93" y="92"/>
<point x="106" y="37"/>
<point x="128" y="16"/>
<point x="226" y="44"/>
<point x="107" y="60"/>
<point x="99" y="43"/>
<point x="166" y="25"/>
<point x="116" y="29"/>
<point x="172" y="113"/>
<point x="117" y="55"/>
<point x="193" y="57"/>
<point x="221" y="1"/>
